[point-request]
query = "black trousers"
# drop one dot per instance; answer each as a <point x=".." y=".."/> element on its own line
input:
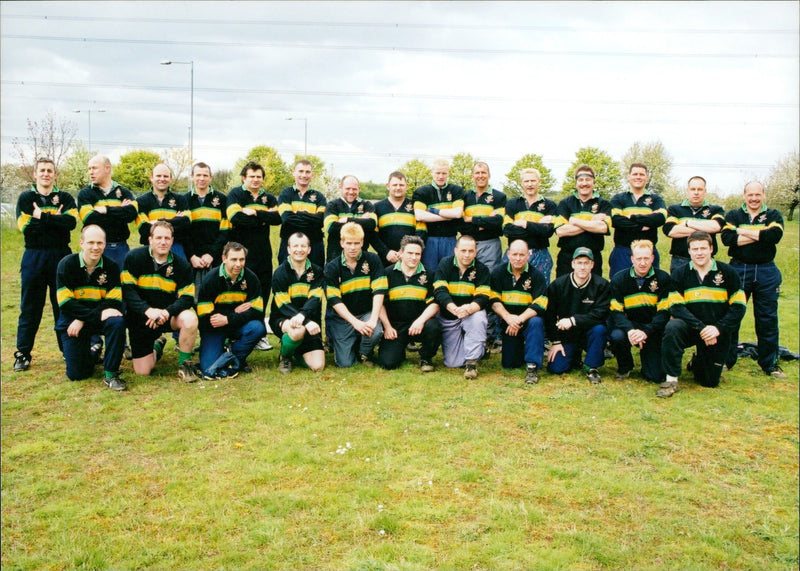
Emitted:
<point x="392" y="352"/>
<point x="707" y="366"/>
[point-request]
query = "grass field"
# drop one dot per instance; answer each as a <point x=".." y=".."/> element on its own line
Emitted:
<point x="366" y="469"/>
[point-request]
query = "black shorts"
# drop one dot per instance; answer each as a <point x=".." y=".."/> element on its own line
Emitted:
<point x="309" y="342"/>
<point x="142" y="338"/>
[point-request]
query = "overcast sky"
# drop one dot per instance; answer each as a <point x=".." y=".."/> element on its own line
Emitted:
<point x="381" y="83"/>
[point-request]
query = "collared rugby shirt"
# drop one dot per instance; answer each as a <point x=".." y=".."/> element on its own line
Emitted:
<point x="393" y="224"/>
<point x="52" y="229"/>
<point x="117" y="217"/>
<point x="408" y="296"/>
<point x="85" y="296"/>
<point x="574" y="206"/>
<point x="517" y="295"/>
<point x="451" y="285"/>
<point x="487" y="211"/>
<point x="629" y="216"/>
<point x="146" y="284"/>
<point x="679" y="213"/>
<point x="302" y="213"/>
<point x="716" y="300"/>
<point x="355" y="288"/>
<point x="220" y="294"/>
<point x="210" y="226"/>
<point x="151" y="209"/>
<point x="253" y="231"/>
<point x="431" y="196"/>
<point x="641" y="303"/>
<point x="769" y="225"/>
<point x="339" y="208"/>
<point x="293" y="294"/>
<point x="535" y="233"/>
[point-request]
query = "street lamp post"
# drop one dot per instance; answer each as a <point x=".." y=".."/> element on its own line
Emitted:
<point x="305" y="130"/>
<point x="89" y="114"/>
<point x="191" y="105"/>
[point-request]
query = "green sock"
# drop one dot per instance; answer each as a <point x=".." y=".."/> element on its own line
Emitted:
<point x="109" y="374"/>
<point x="288" y="345"/>
<point x="183" y="356"/>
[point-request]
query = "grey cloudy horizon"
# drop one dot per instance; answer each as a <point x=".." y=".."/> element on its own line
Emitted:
<point x="380" y="83"/>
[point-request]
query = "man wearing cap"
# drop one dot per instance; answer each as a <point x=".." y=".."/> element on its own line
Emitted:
<point x="691" y="215"/>
<point x="639" y="312"/>
<point x="636" y="214"/>
<point x="707" y="308"/>
<point x="577" y="311"/>
<point x="583" y="221"/>
<point x="752" y="233"/>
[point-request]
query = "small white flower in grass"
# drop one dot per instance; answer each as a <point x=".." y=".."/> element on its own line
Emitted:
<point x="490" y="410"/>
<point x="379" y="402"/>
<point x="380" y="507"/>
<point x="382" y="532"/>
<point x="447" y="425"/>
<point x="348" y="445"/>
<point x="366" y="459"/>
<point x="430" y="482"/>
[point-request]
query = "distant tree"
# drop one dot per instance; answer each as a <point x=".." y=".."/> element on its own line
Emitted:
<point x="529" y="161"/>
<point x="417" y="173"/>
<point x="74" y="174"/>
<point x="14" y="178"/>
<point x="179" y="162"/>
<point x="608" y="178"/>
<point x="219" y="179"/>
<point x="48" y="137"/>
<point x="278" y="174"/>
<point x="783" y="184"/>
<point x="134" y="170"/>
<point x="372" y="190"/>
<point x="658" y="161"/>
<point x="461" y="170"/>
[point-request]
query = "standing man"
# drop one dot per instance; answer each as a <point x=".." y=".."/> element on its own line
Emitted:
<point x="348" y="208"/>
<point x="158" y="292"/>
<point x="302" y="209"/>
<point x="110" y="206"/>
<point x="519" y="294"/>
<point x="408" y="310"/>
<point x="639" y="312"/>
<point x="355" y="286"/>
<point x="583" y="221"/>
<point x="229" y="308"/>
<point x="636" y="214"/>
<point x="396" y="219"/>
<point x="90" y="298"/>
<point x="484" y="209"/>
<point x="691" y="215"/>
<point x="462" y="290"/>
<point x="577" y="311"/>
<point x="45" y="216"/>
<point x="297" y="307"/>
<point x="160" y="203"/>
<point x="209" y="226"/>
<point x="532" y="218"/>
<point x="752" y="233"/>
<point x="438" y="208"/>
<point x="251" y="211"/>
<point x="706" y="311"/>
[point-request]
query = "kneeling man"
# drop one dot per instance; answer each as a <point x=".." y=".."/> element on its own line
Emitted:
<point x="230" y="308"/>
<point x="577" y="311"/>
<point x="297" y="306"/>
<point x="461" y="288"/>
<point x="407" y="313"/>
<point x="90" y="303"/>
<point x="158" y="290"/>
<point x="519" y="294"/>
<point x="707" y="309"/>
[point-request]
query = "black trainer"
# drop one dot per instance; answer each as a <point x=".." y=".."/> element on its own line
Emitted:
<point x="531" y="374"/>
<point x="593" y="376"/>
<point x="21" y="362"/>
<point x="115" y="383"/>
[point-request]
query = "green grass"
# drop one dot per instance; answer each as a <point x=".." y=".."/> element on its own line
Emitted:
<point x="365" y="469"/>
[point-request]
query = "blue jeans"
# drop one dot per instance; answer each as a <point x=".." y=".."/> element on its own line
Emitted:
<point x="244" y="340"/>
<point x="763" y="283"/>
<point x="593" y="341"/>
<point x="526" y="346"/>
<point x="349" y="343"/>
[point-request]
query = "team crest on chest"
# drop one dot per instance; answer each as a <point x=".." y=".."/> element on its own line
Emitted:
<point x="761" y="218"/>
<point x="423" y="278"/>
<point x="718" y="279"/>
<point x="172" y="203"/>
<point x="654" y="286"/>
<point x="540" y="207"/>
<point x="118" y="194"/>
<point x="365" y="267"/>
<point x="595" y="208"/>
<point x="526" y="285"/>
<point x="472" y="274"/>
<point x="706" y="212"/>
<point x="310" y="276"/>
<point x="169" y="271"/>
<point x="489" y="198"/>
<point x="408" y="207"/>
<point x="55" y="199"/>
<point x="101" y="278"/>
<point x="215" y="201"/>
<point x="449" y="196"/>
<point x="312" y="197"/>
<point x="244" y="285"/>
<point x="360" y="209"/>
<point x="648" y="201"/>
<point x="264" y="199"/>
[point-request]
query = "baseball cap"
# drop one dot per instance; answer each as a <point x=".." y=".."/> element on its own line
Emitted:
<point x="585" y="252"/>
